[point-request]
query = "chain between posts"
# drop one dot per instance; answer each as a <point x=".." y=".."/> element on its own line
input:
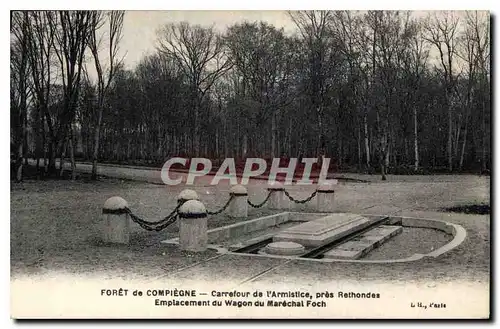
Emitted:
<point x="156" y="226"/>
<point x="262" y="203"/>
<point x="169" y="219"/>
<point x="223" y="208"/>
<point x="172" y="217"/>
<point x="300" y="201"/>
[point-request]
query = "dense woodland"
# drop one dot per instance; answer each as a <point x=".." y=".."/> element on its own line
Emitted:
<point x="375" y="91"/>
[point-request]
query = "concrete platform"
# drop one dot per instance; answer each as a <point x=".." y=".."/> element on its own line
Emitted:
<point x="359" y="247"/>
<point x="323" y="230"/>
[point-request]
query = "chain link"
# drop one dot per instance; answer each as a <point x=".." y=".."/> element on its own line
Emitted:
<point x="223" y="208"/>
<point x="263" y="202"/>
<point x="172" y="217"/>
<point x="158" y="228"/>
<point x="300" y="201"/>
<point x="159" y="225"/>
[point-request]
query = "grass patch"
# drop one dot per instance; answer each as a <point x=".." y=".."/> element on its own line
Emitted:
<point x="475" y="209"/>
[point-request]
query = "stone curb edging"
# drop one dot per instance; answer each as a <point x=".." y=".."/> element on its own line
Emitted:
<point x="459" y="236"/>
<point x="221" y="230"/>
<point x="458" y="232"/>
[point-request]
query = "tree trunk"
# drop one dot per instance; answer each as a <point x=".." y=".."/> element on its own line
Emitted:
<point x="460" y="165"/>
<point x="162" y="139"/>
<point x="50" y="166"/>
<point x="217" y="142"/>
<point x="273" y="135"/>
<point x="244" y="144"/>
<point x="21" y="146"/>
<point x="450" y="133"/>
<point x="129" y="149"/>
<point x="387" y="156"/>
<point x="359" y="148"/>
<point x="62" y="157"/>
<point x="457" y="139"/>
<point x="415" y="125"/>
<point x="196" y="136"/>
<point x="367" y="141"/>
<point x="44" y="147"/>
<point x="39" y="143"/>
<point x="72" y="155"/>
<point x="225" y="136"/>
<point x="25" y="147"/>
<point x="95" y="151"/>
<point x="383" y="157"/>
<point x="383" y="148"/>
<point x="19" y="162"/>
<point x="483" y="139"/>
<point x="238" y="141"/>
<point x="339" y="148"/>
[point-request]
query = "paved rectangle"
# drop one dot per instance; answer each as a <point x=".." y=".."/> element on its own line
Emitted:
<point x="323" y="230"/>
<point x="360" y="246"/>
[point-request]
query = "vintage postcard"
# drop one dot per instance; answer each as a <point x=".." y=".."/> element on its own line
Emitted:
<point x="250" y="164"/>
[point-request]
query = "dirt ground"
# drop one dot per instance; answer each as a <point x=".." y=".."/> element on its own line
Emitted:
<point x="54" y="227"/>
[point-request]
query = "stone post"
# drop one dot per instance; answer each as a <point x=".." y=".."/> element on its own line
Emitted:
<point x="238" y="207"/>
<point x="193" y="226"/>
<point x="277" y="199"/>
<point x="116" y="221"/>
<point x="325" y="198"/>
<point x="184" y="196"/>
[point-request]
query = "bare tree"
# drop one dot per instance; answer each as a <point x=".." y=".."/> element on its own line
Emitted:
<point x="200" y="53"/>
<point x="41" y="59"/>
<point x="415" y="62"/>
<point x="349" y="28"/>
<point x="314" y="27"/>
<point x="469" y="54"/>
<point x="480" y="25"/>
<point x="442" y="34"/>
<point x="263" y="57"/>
<point x="104" y="74"/>
<point x="72" y="31"/>
<point x="19" y="90"/>
<point x="391" y="35"/>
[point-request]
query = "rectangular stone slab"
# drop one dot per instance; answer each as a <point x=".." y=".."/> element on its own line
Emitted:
<point x="323" y="230"/>
<point x="363" y="244"/>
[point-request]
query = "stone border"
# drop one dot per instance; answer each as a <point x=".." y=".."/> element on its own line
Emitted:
<point x="458" y="232"/>
<point x="248" y="226"/>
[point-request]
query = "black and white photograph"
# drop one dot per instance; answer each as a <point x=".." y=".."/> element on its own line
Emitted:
<point x="250" y="164"/>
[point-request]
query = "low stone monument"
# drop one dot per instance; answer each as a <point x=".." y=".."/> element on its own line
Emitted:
<point x="238" y="207"/>
<point x="193" y="226"/>
<point x="284" y="248"/>
<point x="277" y="199"/>
<point x="323" y="230"/>
<point x="325" y="194"/>
<point x="116" y="221"/>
